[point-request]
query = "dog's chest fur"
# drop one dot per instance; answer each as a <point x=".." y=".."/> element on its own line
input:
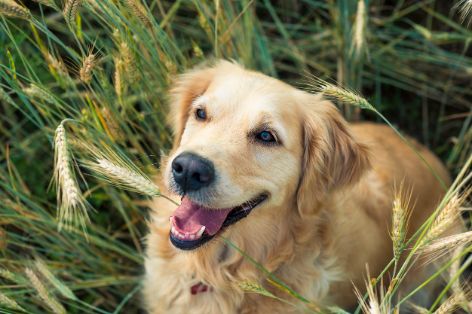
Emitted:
<point x="172" y="276"/>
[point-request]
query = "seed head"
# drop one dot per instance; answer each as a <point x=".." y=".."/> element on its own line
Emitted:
<point x="13" y="9"/>
<point x="43" y="293"/>
<point x="72" y="206"/>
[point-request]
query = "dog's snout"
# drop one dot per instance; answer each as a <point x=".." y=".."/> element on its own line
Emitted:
<point x="192" y="172"/>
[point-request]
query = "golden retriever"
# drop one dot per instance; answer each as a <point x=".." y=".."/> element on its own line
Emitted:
<point x="280" y="174"/>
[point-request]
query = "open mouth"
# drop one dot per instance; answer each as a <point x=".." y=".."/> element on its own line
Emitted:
<point x="192" y="225"/>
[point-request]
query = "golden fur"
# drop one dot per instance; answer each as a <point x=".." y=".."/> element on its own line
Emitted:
<point x="331" y="189"/>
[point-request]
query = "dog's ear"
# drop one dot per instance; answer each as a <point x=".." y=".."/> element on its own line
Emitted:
<point x="332" y="158"/>
<point x="185" y="89"/>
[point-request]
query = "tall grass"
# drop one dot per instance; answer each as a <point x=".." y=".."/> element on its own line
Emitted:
<point x="107" y="65"/>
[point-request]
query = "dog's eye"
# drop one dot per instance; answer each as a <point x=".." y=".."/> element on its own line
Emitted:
<point x="266" y="137"/>
<point x="200" y="114"/>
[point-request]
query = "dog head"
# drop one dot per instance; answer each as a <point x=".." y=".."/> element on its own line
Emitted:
<point x="249" y="145"/>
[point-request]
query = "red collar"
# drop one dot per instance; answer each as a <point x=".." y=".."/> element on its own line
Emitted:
<point x="198" y="288"/>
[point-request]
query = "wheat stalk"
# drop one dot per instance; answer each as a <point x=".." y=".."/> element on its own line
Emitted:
<point x="118" y="76"/>
<point x="70" y="10"/>
<point x="114" y="128"/>
<point x="88" y="64"/>
<point x="417" y="309"/>
<point x="139" y="11"/>
<point x="254" y="287"/>
<point x="124" y="176"/>
<point x="59" y="285"/>
<point x="129" y="62"/>
<point x="462" y="292"/>
<point x="3" y="239"/>
<point x="359" y="29"/>
<point x="43" y="293"/>
<point x="56" y="65"/>
<point x="5" y="97"/>
<point x="72" y="206"/>
<point x="465" y="9"/>
<point x="13" y="9"/>
<point x="442" y="246"/>
<point x="449" y="305"/>
<point x="340" y="94"/>
<point x="10" y="303"/>
<point x="398" y="228"/>
<point x="444" y="219"/>
<point x="49" y="3"/>
<point x="6" y="274"/>
<point x="34" y="91"/>
<point x="400" y="215"/>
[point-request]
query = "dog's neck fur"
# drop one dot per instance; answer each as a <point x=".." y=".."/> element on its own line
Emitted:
<point x="304" y="244"/>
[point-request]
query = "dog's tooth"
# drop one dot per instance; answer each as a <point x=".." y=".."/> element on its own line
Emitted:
<point x="200" y="232"/>
<point x="191" y="237"/>
<point x="172" y="230"/>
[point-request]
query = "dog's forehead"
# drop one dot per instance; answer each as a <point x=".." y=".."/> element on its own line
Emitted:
<point x="253" y="95"/>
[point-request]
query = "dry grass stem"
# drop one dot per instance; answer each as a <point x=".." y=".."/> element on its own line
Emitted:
<point x="10" y="303"/>
<point x="70" y="10"/>
<point x="72" y="206"/>
<point x="59" y="285"/>
<point x="88" y="65"/>
<point x="13" y="9"/>
<point x="124" y="176"/>
<point x="43" y="293"/>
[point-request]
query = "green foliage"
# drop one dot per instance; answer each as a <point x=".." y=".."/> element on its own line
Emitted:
<point x="107" y="65"/>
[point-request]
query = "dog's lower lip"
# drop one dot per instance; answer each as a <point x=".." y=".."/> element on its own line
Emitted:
<point x="187" y="242"/>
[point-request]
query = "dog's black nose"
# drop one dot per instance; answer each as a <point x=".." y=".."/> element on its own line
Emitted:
<point x="192" y="172"/>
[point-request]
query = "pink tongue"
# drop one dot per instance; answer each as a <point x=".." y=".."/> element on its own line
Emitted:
<point x="189" y="217"/>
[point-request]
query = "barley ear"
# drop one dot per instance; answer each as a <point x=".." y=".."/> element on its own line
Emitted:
<point x="343" y="95"/>
<point x="10" y="303"/>
<point x="71" y="203"/>
<point x="59" y="285"/>
<point x="444" y="219"/>
<point x="118" y="77"/>
<point x="49" y="3"/>
<point x="70" y="10"/>
<point x="123" y="176"/>
<point x="43" y="293"/>
<point x="465" y="10"/>
<point x="400" y="215"/>
<point x="359" y="28"/>
<point x="88" y="64"/>
<point x="139" y="11"/>
<point x="12" y="9"/>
